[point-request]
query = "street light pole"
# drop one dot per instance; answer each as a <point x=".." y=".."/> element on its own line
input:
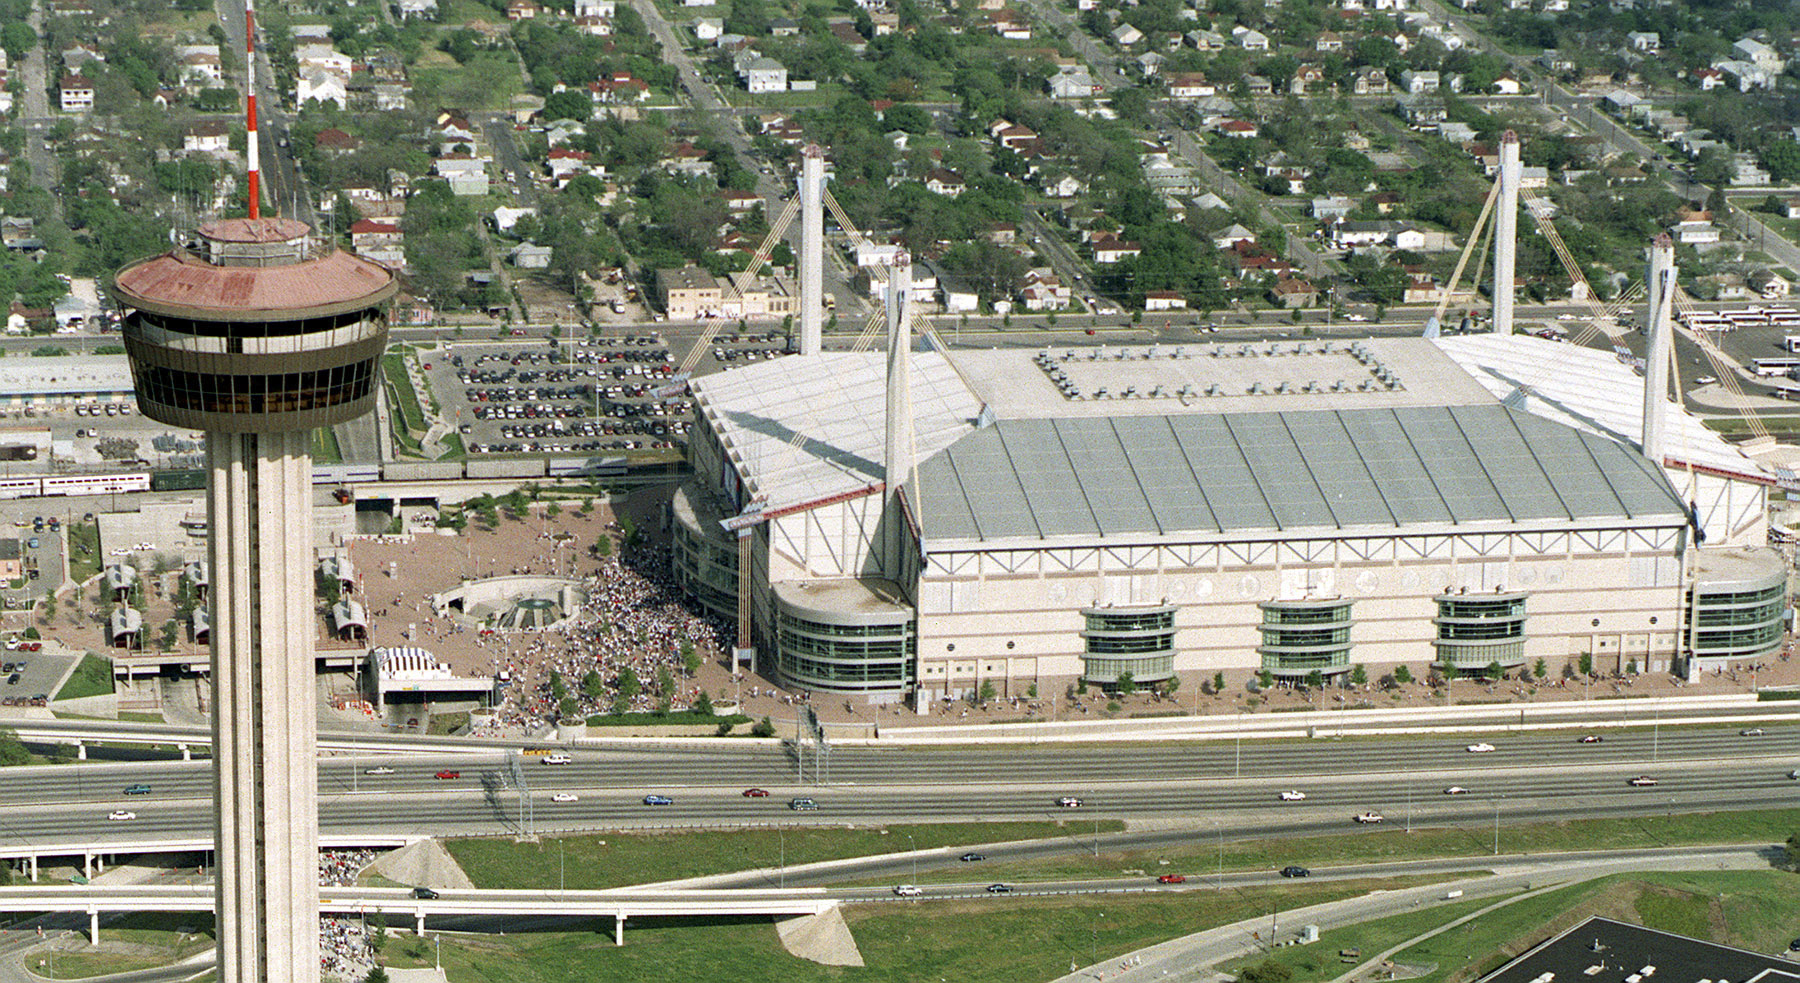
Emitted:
<point x="913" y="849"/>
<point x="1496" y="827"/>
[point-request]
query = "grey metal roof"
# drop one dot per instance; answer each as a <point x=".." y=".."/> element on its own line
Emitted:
<point x="1282" y="472"/>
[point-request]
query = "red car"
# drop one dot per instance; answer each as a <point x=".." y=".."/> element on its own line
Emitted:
<point x="447" y="773"/>
<point x="1172" y="879"/>
<point x="756" y="793"/>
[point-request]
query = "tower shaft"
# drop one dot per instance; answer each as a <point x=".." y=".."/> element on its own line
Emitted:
<point x="899" y="423"/>
<point x="1660" y="281"/>
<point x="265" y="708"/>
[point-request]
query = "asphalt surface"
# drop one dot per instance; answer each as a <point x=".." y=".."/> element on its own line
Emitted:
<point x="1528" y="776"/>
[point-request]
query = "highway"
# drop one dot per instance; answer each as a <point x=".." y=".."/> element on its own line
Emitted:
<point x="1535" y="776"/>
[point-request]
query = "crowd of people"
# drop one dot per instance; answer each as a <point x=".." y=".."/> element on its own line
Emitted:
<point x="344" y="951"/>
<point x="341" y="868"/>
<point x="634" y="617"/>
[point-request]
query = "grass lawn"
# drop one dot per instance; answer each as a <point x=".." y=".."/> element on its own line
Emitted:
<point x="76" y="535"/>
<point x="325" y="447"/>
<point x="618" y="859"/>
<point x="142" y="718"/>
<point x="999" y="941"/>
<point x="164" y="936"/>
<point x="489" y="81"/>
<point x="1390" y="843"/>
<point x="92" y="677"/>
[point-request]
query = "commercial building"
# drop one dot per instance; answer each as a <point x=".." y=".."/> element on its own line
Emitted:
<point x="1294" y="507"/>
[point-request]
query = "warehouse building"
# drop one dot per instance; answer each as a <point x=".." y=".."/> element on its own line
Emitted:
<point x="1295" y="507"/>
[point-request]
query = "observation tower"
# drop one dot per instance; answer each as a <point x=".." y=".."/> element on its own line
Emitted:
<point x="255" y="333"/>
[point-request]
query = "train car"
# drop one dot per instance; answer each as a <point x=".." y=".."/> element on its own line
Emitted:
<point x="183" y="479"/>
<point x="21" y="487"/>
<point x="96" y="484"/>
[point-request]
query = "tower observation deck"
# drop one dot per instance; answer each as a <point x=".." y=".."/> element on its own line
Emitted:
<point x="256" y="333"/>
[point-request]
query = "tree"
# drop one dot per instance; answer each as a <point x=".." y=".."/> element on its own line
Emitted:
<point x="629" y="687"/>
<point x="703" y="704"/>
<point x="665" y="683"/>
<point x="690" y="659"/>
<point x="1782" y="159"/>
<point x="12" y="751"/>
<point x="1631" y="667"/>
<point x="376" y="975"/>
<point x="1218" y="682"/>
<point x="1126" y="684"/>
<point x="1587" y="664"/>
<point x="592" y="686"/>
<point x="1539" y="670"/>
<point x="573" y="104"/>
<point x="1264" y="679"/>
<point x="988" y="692"/>
<point x="1402" y="675"/>
<point x="1358" y="675"/>
<point x="1267" y="971"/>
<point x="18" y="38"/>
<point x="1315" y="679"/>
<point x="1495" y="670"/>
<point x="763" y="728"/>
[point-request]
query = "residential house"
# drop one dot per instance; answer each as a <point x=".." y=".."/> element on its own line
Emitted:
<point x="565" y="163"/>
<point x="200" y="65"/>
<point x="1229" y="237"/>
<point x="1164" y="300"/>
<point x="1294" y="293"/>
<point x="1644" y="42"/>
<point x="1250" y="40"/>
<point x="466" y="174"/>
<point x="1238" y="129"/>
<point x="76" y="93"/>
<point x="1205" y="40"/>
<point x="369" y="233"/>
<point x="1332" y="208"/>
<point x="506" y="217"/>
<point x="620" y="87"/>
<point x="764" y="75"/>
<point x="598" y="27"/>
<point x="1190" y="85"/>
<point x="1257" y="85"/>
<point x="1209" y="200"/>
<point x="1150" y="62"/>
<point x="528" y="256"/>
<point x="1371" y="82"/>
<point x="597" y="8"/>
<point x="517" y="10"/>
<point x="1009" y="24"/>
<point x="708" y="28"/>
<point x="1115" y="250"/>
<point x="784" y="27"/>
<point x="944" y="182"/>
<point x="332" y="140"/>
<point x="1125" y="35"/>
<point x="740" y="202"/>
<point x="408" y="9"/>
<point x="1062" y="186"/>
<point x="1417" y="82"/>
<point x="206" y="138"/>
<point x="319" y="85"/>
<point x="1040" y="290"/>
<point x="1507" y="85"/>
<point x="1306" y="77"/>
<point x="452" y="128"/>
<point x="1328" y="41"/>
<point x="1768" y="284"/>
<point x="1707" y="79"/>
<point x="1073" y="83"/>
<point x="1760" y="55"/>
<point x="685" y="158"/>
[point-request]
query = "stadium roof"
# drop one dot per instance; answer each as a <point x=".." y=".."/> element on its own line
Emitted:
<point x="1434" y="448"/>
<point x="1605" y="951"/>
<point x="1590" y="390"/>
<point x="1282" y="473"/>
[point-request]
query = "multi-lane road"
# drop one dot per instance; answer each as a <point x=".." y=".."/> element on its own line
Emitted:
<point x="1527" y="776"/>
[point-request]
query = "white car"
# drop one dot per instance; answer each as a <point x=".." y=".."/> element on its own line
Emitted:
<point x="1566" y="317"/>
<point x="1456" y="790"/>
<point x="1641" y="781"/>
<point x="1292" y="796"/>
<point x="1357" y="317"/>
<point x="1369" y="817"/>
<point x="1482" y="748"/>
<point x="565" y="797"/>
<point x="1069" y="802"/>
<point x="379" y="770"/>
<point x="557" y="759"/>
<point x="908" y="890"/>
<point x="119" y="815"/>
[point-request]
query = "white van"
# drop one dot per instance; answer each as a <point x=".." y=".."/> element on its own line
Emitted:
<point x="557" y="759"/>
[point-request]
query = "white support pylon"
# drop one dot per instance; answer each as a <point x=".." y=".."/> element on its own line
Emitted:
<point x="812" y="249"/>
<point x="898" y="464"/>
<point x="1506" y="233"/>
<point x="1660" y="286"/>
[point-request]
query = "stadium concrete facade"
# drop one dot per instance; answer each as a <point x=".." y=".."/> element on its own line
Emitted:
<point x="1298" y="507"/>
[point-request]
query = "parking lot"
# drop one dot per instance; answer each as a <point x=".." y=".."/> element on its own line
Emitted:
<point x="40" y="547"/>
<point x="583" y="396"/>
<point x="30" y="671"/>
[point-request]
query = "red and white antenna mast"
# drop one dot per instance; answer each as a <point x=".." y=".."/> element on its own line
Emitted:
<point x="254" y="166"/>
